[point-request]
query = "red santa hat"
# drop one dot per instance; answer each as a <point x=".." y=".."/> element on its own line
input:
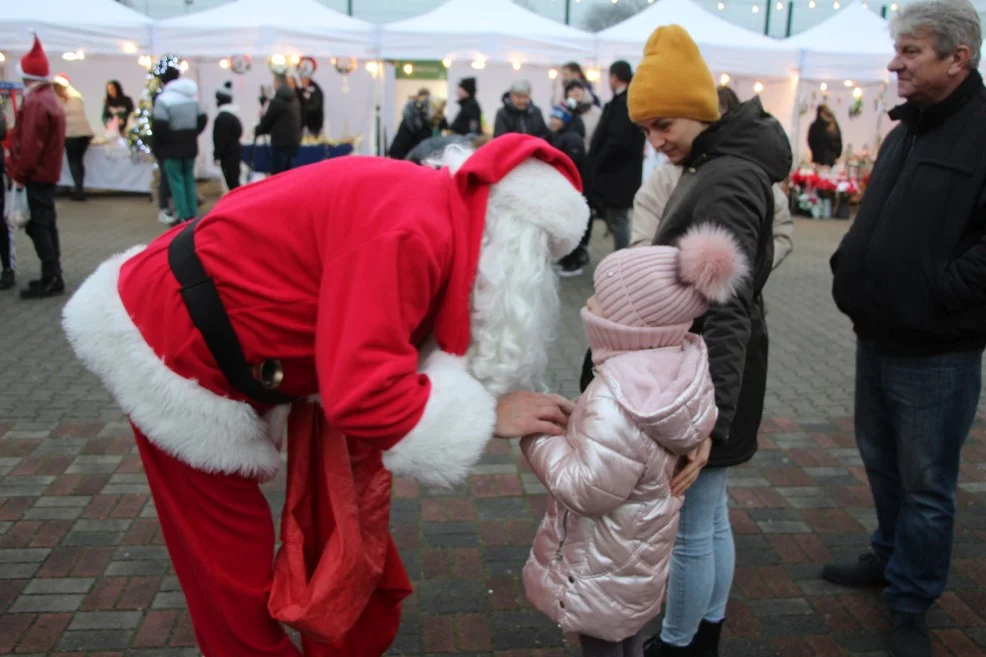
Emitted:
<point x="34" y="65"/>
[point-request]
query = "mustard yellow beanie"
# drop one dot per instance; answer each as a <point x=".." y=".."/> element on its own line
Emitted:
<point x="672" y="80"/>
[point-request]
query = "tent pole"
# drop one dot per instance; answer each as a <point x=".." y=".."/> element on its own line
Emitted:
<point x="568" y="12"/>
<point x="349" y="7"/>
<point x="766" y="22"/>
<point x="790" y="17"/>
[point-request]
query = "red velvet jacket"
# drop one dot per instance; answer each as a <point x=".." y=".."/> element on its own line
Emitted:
<point x="39" y="138"/>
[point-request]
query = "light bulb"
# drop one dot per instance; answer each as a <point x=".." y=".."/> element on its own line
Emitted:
<point x="722" y="5"/>
<point x="835" y="5"/>
<point x="893" y="7"/>
<point x="447" y="62"/>
<point x="516" y="66"/>
<point x="758" y="87"/>
<point x="756" y="9"/>
<point x="478" y="64"/>
<point x="780" y="6"/>
<point x="811" y="5"/>
<point x="553" y="73"/>
<point x="183" y="67"/>
<point x="295" y="60"/>
<point x="724" y="79"/>
<point x="129" y="47"/>
<point x="823" y="86"/>
<point x="847" y="83"/>
<point x="224" y="64"/>
<point x="857" y="92"/>
<point x="408" y="69"/>
<point x="372" y="68"/>
<point x="2" y="58"/>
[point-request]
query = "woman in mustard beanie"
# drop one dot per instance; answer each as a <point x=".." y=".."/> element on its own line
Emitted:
<point x="730" y="164"/>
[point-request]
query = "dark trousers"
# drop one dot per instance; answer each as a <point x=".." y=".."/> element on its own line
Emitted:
<point x="230" y="165"/>
<point x="6" y="234"/>
<point x="913" y="414"/>
<point x="42" y="228"/>
<point x="281" y="158"/>
<point x="163" y="188"/>
<point x="75" y="151"/>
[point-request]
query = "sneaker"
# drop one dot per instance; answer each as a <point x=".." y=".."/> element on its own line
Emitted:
<point x="868" y="571"/>
<point x="910" y="638"/>
<point x="165" y="217"/>
<point x="7" y="279"/>
<point x="570" y="271"/>
<point x="49" y="287"/>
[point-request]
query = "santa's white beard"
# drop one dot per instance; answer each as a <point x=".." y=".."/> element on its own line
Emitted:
<point x="515" y="305"/>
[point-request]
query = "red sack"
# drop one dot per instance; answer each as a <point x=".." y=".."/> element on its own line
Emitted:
<point x="338" y="578"/>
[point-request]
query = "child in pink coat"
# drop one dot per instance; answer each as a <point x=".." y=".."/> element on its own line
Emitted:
<point x="599" y="564"/>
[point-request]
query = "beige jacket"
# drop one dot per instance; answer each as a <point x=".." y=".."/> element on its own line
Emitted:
<point x="76" y="123"/>
<point x="599" y="564"/>
<point x="590" y="119"/>
<point x="653" y="195"/>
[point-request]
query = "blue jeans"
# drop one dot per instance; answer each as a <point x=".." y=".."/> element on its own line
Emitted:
<point x="703" y="560"/>
<point x="913" y="414"/>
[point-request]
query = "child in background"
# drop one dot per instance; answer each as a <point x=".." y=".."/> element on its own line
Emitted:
<point x="599" y="564"/>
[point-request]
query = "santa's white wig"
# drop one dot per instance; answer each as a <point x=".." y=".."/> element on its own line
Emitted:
<point x="515" y="304"/>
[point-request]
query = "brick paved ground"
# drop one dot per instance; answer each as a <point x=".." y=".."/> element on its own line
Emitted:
<point x="83" y="569"/>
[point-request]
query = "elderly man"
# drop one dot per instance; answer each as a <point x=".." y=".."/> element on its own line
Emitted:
<point x="911" y="274"/>
<point x="519" y="113"/>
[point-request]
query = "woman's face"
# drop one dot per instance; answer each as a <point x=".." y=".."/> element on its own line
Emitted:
<point x="111" y="90"/>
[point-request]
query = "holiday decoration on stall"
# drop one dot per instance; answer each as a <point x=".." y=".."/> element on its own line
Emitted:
<point x="856" y="108"/>
<point x="240" y="64"/>
<point x="344" y="66"/>
<point x="140" y="135"/>
<point x="307" y="67"/>
<point x="278" y="64"/>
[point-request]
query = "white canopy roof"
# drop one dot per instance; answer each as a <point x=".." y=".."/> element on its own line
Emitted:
<point x="853" y="44"/>
<point x="497" y="30"/>
<point x="100" y="27"/>
<point x="727" y="48"/>
<point x="265" y="27"/>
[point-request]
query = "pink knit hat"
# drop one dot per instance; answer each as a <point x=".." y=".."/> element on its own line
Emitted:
<point x="667" y="287"/>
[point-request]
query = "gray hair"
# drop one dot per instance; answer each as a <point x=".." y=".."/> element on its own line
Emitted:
<point x="952" y="23"/>
<point x="521" y="87"/>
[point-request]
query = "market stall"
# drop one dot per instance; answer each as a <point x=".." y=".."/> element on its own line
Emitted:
<point x="111" y="166"/>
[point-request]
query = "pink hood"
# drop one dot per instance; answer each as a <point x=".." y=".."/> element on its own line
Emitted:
<point x="600" y="560"/>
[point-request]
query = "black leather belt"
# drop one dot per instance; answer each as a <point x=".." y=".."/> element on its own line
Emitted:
<point x="209" y="316"/>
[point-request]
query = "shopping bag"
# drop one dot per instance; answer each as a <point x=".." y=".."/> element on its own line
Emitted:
<point x="338" y="578"/>
<point x="17" y="211"/>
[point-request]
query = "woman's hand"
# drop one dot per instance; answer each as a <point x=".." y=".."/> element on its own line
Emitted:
<point x="691" y="465"/>
<point x="525" y="413"/>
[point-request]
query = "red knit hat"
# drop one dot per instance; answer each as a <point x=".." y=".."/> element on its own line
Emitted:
<point x="34" y="65"/>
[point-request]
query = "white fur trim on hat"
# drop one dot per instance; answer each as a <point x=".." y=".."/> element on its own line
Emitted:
<point x="539" y="193"/>
<point x="450" y="438"/>
<point x="204" y="430"/>
<point x="27" y="76"/>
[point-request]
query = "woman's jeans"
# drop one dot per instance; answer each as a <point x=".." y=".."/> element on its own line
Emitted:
<point x="702" y="562"/>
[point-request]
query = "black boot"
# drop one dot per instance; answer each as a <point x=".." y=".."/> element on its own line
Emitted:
<point x="868" y="571"/>
<point x="654" y="647"/>
<point x="48" y="287"/>
<point x="909" y="637"/>
<point x="7" y="279"/>
<point x="706" y="641"/>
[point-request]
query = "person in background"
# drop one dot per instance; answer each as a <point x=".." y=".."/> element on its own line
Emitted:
<point x="572" y="71"/>
<point x="227" y="129"/>
<point x="825" y="138"/>
<point x="568" y="136"/>
<point x="519" y="114"/>
<point x="589" y="113"/>
<point x="616" y="159"/>
<point x="282" y="121"/>
<point x="469" y="120"/>
<point x="313" y="103"/>
<point x="7" y="277"/>
<point x="178" y="120"/>
<point x="911" y="275"/>
<point x="651" y="199"/>
<point x="36" y="164"/>
<point x="117" y="104"/>
<point x="415" y="125"/>
<point x="78" y="133"/>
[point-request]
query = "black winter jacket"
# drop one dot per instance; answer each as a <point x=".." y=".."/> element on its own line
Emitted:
<point x="282" y="120"/>
<point x="727" y="181"/>
<point x="415" y="127"/>
<point x="469" y="120"/>
<point x="527" y="122"/>
<point x="616" y="157"/>
<point x="911" y="271"/>
<point x="570" y="140"/>
<point x="312" y="107"/>
<point x="226" y="133"/>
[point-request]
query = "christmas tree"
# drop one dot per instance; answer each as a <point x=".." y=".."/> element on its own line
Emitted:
<point x="140" y="135"/>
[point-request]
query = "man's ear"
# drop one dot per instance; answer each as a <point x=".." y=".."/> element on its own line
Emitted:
<point x="959" y="60"/>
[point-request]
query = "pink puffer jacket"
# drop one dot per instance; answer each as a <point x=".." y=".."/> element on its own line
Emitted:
<point x="599" y="564"/>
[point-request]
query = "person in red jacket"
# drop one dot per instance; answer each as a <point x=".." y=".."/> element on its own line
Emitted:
<point x="416" y="302"/>
<point x="36" y="163"/>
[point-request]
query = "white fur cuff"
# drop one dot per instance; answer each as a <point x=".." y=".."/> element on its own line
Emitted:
<point x="458" y="421"/>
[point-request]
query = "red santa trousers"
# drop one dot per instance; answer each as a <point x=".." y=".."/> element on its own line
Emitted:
<point x="220" y="535"/>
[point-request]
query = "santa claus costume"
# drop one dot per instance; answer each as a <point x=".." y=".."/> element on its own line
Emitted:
<point x="408" y="298"/>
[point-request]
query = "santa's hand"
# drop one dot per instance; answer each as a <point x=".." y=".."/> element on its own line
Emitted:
<point x="525" y="413"/>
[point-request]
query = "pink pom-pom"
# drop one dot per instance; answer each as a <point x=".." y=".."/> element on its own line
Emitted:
<point x="710" y="260"/>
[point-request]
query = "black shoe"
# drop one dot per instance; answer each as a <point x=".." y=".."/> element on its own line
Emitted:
<point x="868" y="571"/>
<point x="78" y="195"/>
<point x="654" y="647"/>
<point x="49" y="287"/>
<point x="909" y="637"/>
<point x="706" y="641"/>
<point x="7" y="279"/>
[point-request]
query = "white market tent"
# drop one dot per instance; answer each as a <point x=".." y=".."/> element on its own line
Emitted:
<point x="503" y="32"/>
<point x="726" y="47"/>
<point x="853" y="44"/>
<point x="266" y="27"/>
<point x="97" y="27"/>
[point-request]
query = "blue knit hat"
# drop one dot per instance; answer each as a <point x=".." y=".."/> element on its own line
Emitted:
<point x="562" y="113"/>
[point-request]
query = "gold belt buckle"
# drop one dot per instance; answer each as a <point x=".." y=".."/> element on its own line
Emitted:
<point x="269" y="373"/>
